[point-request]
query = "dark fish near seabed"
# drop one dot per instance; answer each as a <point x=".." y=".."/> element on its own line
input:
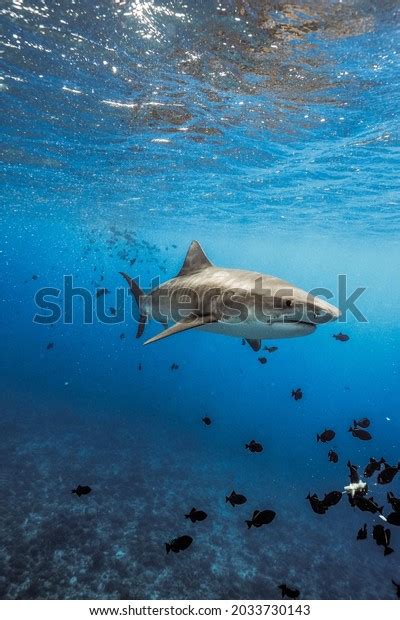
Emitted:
<point x="393" y="518"/>
<point x="50" y="346"/>
<point x="341" y="337"/>
<point x="332" y="498"/>
<point x="316" y="504"/>
<point x="139" y="366"/>
<point x="393" y="501"/>
<point x="387" y="474"/>
<point x="382" y="538"/>
<point x="271" y="349"/>
<point x="102" y="291"/>
<point x="259" y="518"/>
<point x="262" y="360"/>
<point x="113" y="311"/>
<point x="289" y="592"/>
<point x="360" y="434"/>
<point x="366" y="504"/>
<point x="34" y="277"/>
<point x="372" y="467"/>
<point x="362" y="532"/>
<point x="254" y="446"/>
<point x="196" y="515"/>
<point x="81" y="490"/>
<point x="206" y="420"/>
<point x="353" y="473"/>
<point x="326" y="436"/>
<point x="236" y="499"/>
<point x="297" y="394"/>
<point x="333" y="456"/>
<point x="174" y="366"/>
<point x="179" y="544"/>
<point x="364" y="423"/>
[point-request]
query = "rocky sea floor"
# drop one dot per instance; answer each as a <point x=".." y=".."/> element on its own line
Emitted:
<point x="111" y="543"/>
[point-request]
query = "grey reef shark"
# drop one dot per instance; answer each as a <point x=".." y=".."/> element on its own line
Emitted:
<point x="232" y="302"/>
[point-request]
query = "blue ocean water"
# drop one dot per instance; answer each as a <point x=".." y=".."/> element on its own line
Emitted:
<point x="269" y="131"/>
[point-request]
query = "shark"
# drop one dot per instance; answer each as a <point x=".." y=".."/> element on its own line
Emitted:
<point x="232" y="302"/>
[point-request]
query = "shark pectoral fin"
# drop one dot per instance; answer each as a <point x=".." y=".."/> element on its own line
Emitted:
<point x="183" y="325"/>
<point x="255" y="344"/>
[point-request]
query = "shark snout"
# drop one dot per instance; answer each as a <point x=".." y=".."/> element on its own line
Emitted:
<point x="326" y="310"/>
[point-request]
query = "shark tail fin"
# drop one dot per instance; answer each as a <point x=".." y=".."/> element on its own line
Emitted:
<point x="388" y="551"/>
<point x="138" y="294"/>
<point x="249" y="524"/>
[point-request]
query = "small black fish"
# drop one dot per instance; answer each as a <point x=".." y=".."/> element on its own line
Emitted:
<point x="81" y="490"/>
<point x="113" y="311"/>
<point x="382" y="538"/>
<point x="353" y="473"/>
<point x="102" y="291"/>
<point x="397" y="586"/>
<point x="372" y="467"/>
<point x="341" y="337"/>
<point x="326" y="436"/>
<point x="139" y="366"/>
<point x="332" y="498"/>
<point x="254" y="446"/>
<point x="132" y="261"/>
<point x="289" y="592"/>
<point x="393" y="518"/>
<point x="360" y="434"/>
<point x="387" y="474"/>
<point x="362" y="532"/>
<point x="366" y="504"/>
<point x="34" y="277"/>
<point x="364" y="423"/>
<point x="50" y="346"/>
<point x="316" y="504"/>
<point x="206" y="420"/>
<point x="332" y="456"/>
<point x="179" y="544"/>
<point x="196" y="515"/>
<point x="174" y="366"/>
<point x="271" y="349"/>
<point x="297" y="394"/>
<point x="236" y="499"/>
<point x="260" y="518"/>
<point x="262" y="360"/>
<point x="393" y="501"/>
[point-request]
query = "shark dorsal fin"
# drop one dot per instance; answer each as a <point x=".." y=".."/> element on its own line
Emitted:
<point x="195" y="260"/>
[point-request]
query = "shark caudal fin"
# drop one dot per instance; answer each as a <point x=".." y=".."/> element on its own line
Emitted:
<point x="137" y="293"/>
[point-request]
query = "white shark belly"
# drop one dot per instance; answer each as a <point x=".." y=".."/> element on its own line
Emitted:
<point x="256" y="330"/>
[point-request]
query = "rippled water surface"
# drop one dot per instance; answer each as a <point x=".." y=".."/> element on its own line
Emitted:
<point x="269" y="131"/>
